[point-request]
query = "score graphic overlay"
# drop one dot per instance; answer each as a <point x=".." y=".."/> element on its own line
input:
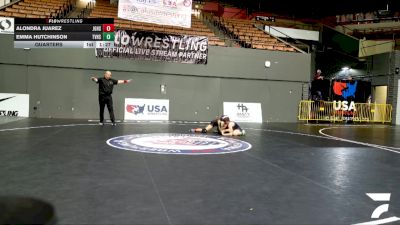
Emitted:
<point x="64" y="33"/>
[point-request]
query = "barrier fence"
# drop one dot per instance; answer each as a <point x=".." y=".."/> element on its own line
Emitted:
<point x="338" y="111"/>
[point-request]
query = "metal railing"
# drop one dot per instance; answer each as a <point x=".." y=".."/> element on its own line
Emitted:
<point x="6" y="3"/>
<point x="344" y="111"/>
<point x="268" y="29"/>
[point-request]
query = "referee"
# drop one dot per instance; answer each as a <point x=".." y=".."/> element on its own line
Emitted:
<point x="106" y="85"/>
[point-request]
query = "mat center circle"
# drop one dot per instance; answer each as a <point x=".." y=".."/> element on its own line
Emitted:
<point x="175" y="143"/>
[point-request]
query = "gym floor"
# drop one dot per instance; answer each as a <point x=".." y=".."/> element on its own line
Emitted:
<point x="295" y="173"/>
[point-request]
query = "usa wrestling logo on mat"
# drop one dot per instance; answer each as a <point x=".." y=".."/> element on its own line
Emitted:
<point x="180" y="144"/>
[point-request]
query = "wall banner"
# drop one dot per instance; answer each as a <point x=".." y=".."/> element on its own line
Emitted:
<point x="153" y="46"/>
<point x="162" y="12"/>
<point x="16" y="105"/>
<point x="243" y="111"/>
<point x="6" y="25"/>
<point x="146" y="109"/>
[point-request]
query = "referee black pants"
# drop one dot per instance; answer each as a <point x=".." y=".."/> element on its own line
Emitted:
<point x="103" y="101"/>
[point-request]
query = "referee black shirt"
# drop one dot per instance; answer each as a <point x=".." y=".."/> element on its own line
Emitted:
<point x="106" y="86"/>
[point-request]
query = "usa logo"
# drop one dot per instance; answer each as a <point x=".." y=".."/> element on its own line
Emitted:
<point x="179" y="144"/>
<point x="344" y="89"/>
<point x="187" y="3"/>
<point x="135" y="109"/>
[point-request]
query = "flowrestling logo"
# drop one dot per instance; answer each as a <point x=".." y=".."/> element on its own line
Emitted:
<point x="376" y="214"/>
<point x="179" y="144"/>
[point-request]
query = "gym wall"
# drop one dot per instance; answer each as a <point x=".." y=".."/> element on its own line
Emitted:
<point x="58" y="83"/>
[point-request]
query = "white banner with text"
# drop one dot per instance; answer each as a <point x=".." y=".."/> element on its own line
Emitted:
<point x="6" y="25"/>
<point x="16" y="105"/>
<point x="243" y="111"/>
<point x="146" y="109"/>
<point x="162" y="12"/>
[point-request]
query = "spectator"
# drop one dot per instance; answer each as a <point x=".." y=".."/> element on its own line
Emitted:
<point x="318" y="75"/>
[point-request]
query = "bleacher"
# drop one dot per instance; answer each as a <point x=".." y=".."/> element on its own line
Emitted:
<point x="243" y="31"/>
<point x="103" y="9"/>
<point x="37" y="9"/>
<point x="248" y="35"/>
<point x="373" y="25"/>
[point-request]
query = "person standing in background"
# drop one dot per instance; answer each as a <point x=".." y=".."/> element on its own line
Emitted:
<point x="318" y="75"/>
<point x="106" y="85"/>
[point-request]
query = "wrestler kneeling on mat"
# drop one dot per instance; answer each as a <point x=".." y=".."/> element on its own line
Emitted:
<point x="224" y="127"/>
